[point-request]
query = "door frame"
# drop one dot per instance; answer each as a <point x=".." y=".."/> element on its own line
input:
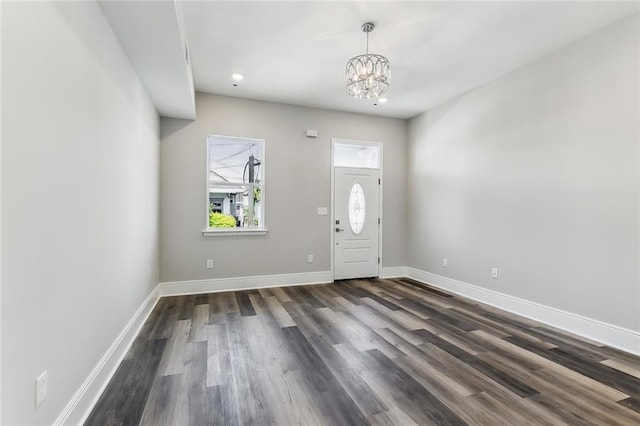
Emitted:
<point x="333" y="189"/>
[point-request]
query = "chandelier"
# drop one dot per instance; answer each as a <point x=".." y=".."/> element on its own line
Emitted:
<point x="367" y="76"/>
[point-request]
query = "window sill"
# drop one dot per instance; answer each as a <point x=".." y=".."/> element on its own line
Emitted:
<point x="229" y="232"/>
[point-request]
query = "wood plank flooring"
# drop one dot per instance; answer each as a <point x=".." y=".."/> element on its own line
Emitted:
<point x="358" y="352"/>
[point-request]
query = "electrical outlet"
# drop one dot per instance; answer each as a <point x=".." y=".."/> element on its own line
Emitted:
<point x="445" y="262"/>
<point x="41" y="389"/>
<point x="494" y="273"/>
<point x="310" y="258"/>
<point x="209" y="263"/>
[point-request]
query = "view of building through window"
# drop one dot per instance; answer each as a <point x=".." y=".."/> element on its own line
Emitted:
<point x="235" y="182"/>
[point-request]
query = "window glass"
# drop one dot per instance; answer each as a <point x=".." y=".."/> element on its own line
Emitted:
<point x="357" y="208"/>
<point x="235" y="182"/>
<point x="352" y="155"/>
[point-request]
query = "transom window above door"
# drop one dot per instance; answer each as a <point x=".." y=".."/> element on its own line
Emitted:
<point x="356" y="155"/>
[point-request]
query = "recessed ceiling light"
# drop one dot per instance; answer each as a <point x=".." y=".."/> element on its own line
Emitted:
<point x="237" y="77"/>
<point x="382" y="100"/>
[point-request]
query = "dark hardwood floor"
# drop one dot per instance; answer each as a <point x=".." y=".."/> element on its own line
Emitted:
<point x="362" y="352"/>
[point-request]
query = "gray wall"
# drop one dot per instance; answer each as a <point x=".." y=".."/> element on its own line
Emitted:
<point x="536" y="173"/>
<point x="298" y="175"/>
<point x="80" y="158"/>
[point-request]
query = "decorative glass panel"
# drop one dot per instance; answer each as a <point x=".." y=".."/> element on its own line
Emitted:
<point x="357" y="208"/>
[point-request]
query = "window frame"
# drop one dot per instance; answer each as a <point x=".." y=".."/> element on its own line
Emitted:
<point x="253" y="230"/>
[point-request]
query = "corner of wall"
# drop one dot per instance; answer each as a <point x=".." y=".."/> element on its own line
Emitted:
<point x="85" y="398"/>
<point x="546" y="187"/>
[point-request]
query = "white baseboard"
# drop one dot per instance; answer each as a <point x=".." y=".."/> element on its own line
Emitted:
<point x="609" y="334"/>
<point x="243" y="283"/>
<point x="393" y="272"/>
<point x="80" y="406"/>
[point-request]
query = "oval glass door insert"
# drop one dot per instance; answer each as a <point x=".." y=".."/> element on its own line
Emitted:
<point x="357" y="207"/>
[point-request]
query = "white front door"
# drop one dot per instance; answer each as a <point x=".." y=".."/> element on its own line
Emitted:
<point x="356" y="225"/>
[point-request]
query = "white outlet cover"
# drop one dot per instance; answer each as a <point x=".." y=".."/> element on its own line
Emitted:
<point x="323" y="211"/>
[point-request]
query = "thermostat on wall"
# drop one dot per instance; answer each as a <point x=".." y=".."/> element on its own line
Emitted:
<point x="312" y="133"/>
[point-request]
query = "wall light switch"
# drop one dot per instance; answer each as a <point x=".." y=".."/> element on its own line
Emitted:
<point x="494" y="272"/>
<point x="323" y="211"/>
<point x="445" y="262"/>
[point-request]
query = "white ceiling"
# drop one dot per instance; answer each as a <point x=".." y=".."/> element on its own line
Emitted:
<point x="295" y="52"/>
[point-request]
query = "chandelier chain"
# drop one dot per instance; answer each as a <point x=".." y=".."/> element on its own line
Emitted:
<point x="367" y="42"/>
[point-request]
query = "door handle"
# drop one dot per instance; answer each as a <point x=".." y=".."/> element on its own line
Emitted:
<point x="339" y="230"/>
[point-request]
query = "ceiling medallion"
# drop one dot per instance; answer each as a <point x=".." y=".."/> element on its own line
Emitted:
<point x="367" y="76"/>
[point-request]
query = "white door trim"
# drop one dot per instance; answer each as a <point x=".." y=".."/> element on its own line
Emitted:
<point x="380" y="198"/>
